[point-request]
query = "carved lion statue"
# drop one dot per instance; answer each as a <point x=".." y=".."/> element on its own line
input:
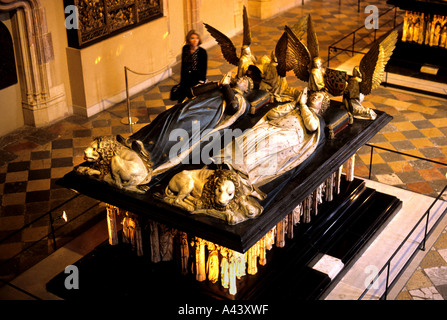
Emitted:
<point x="185" y="188"/>
<point x="220" y="193"/>
<point x="111" y="161"/>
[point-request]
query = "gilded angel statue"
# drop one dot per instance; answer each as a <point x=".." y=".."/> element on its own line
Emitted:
<point x="368" y="76"/>
<point x="229" y="50"/>
<point x="274" y="71"/>
<point x="305" y="61"/>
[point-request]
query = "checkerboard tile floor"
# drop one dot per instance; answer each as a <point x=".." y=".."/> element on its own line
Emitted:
<point x="32" y="159"/>
<point x="429" y="281"/>
<point x="419" y="128"/>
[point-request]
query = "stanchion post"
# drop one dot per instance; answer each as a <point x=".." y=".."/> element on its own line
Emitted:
<point x="127" y="95"/>
<point x="128" y="120"/>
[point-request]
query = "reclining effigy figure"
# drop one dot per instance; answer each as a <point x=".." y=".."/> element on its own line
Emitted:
<point x="130" y="163"/>
<point x="281" y="140"/>
<point x="173" y="135"/>
<point x="286" y="136"/>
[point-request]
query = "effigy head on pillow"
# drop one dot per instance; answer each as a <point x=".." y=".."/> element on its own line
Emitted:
<point x="319" y="102"/>
<point x="108" y="159"/>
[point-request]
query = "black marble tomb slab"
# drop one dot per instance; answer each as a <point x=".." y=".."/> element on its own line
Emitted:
<point x="327" y="159"/>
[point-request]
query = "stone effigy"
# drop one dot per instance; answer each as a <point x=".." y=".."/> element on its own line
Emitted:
<point x="228" y="186"/>
<point x="236" y="181"/>
<point x="156" y="148"/>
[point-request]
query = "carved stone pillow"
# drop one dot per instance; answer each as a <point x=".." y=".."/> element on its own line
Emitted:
<point x="257" y="99"/>
<point x="336" y="118"/>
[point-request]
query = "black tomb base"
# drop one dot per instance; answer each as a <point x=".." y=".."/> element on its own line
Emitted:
<point x="341" y="229"/>
<point x="408" y="58"/>
<point x="284" y="193"/>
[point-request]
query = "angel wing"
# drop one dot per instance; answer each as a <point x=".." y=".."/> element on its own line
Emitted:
<point x="226" y="45"/>
<point x="285" y="51"/>
<point x="292" y="54"/>
<point x="282" y="53"/>
<point x="247" y="33"/>
<point x="300" y="28"/>
<point x="312" y="40"/>
<point x="372" y="65"/>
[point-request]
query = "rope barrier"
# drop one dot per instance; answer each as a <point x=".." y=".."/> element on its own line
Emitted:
<point x="154" y="72"/>
<point x="133" y="120"/>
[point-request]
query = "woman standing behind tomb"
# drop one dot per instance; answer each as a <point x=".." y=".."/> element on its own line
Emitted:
<point x="194" y="65"/>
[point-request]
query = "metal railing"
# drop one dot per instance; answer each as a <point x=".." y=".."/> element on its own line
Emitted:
<point x="421" y="245"/>
<point x="334" y="47"/>
<point x="50" y="235"/>
<point x="20" y="289"/>
<point x="129" y="120"/>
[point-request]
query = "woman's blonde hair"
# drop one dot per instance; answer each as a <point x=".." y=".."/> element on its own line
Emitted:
<point x="190" y="33"/>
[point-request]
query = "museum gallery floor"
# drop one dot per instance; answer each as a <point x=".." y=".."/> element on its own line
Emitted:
<point x="418" y="127"/>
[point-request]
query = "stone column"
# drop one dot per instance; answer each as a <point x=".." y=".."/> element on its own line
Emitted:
<point x="193" y="19"/>
<point x="42" y="101"/>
